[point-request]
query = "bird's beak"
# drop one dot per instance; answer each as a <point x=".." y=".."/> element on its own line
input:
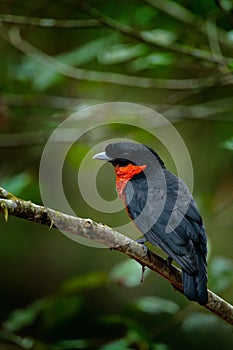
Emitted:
<point x="102" y="156"/>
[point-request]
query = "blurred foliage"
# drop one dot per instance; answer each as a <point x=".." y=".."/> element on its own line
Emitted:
<point x="57" y="58"/>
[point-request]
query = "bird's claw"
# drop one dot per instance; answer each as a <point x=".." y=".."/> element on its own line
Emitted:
<point x="142" y="242"/>
<point x="143" y="272"/>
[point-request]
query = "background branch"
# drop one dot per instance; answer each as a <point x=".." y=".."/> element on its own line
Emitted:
<point x="181" y="13"/>
<point x="107" y="236"/>
<point x="145" y="37"/>
<point x="14" y="37"/>
<point x="49" y="22"/>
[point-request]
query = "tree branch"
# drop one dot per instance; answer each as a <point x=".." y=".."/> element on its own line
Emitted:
<point x="143" y="37"/>
<point x="107" y="236"/>
<point x="182" y="14"/>
<point x="48" y="22"/>
<point x="14" y="38"/>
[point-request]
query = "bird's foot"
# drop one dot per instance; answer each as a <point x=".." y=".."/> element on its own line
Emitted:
<point x="142" y="242"/>
<point x="143" y="273"/>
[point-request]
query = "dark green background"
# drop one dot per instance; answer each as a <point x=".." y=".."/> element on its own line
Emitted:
<point x="96" y="308"/>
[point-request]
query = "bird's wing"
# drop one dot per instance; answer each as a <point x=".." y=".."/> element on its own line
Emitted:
<point x="184" y="212"/>
<point x="168" y="218"/>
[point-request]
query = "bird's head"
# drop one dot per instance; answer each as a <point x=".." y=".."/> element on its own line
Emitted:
<point x="123" y="154"/>
<point x="129" y="160"/>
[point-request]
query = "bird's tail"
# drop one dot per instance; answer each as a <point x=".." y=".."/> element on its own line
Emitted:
<point x="195" y="285"/>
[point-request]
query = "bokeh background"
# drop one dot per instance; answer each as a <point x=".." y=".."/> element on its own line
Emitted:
<point x="58" y="57"/>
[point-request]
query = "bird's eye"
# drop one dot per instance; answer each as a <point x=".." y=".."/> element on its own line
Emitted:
<point x="124" y="162"/>
<point x="121" y="162"/>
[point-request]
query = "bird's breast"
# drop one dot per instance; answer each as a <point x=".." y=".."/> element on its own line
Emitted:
<point x="125" y="174"/>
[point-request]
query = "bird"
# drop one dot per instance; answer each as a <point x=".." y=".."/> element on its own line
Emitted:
<point x="164" y="211"/>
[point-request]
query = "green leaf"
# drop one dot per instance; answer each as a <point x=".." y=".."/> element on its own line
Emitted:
<point x="159" y="36"/>
<point x="121" y="53"/>
<point x="220" y="273"/>
<point x="42" y="77"/>
<point x="74" y="344"/>
<point x="160" y="346"/>
<point x="143" y="15"/>
<point x="113" y="319"/>
<point x="137" y="335"/>
<point x="127" y="273"/>
<point x="16" y="183"/>
<point x="229" y="36"/>
<point x="199" y="321"/>
<point x="228" y="144"/>
<point x="155" y="305"/>
<point x="21" y="318"/>
<point x="227" y="5"/>
<point x="84" y="282"/>
<point x="55" y="310"/>
<point x="60" y="309"/>
<point x="86" y="53"/>
<point x="120" y="344"/>
<point x="152" y="60"/>
<point x="22" y="342"/>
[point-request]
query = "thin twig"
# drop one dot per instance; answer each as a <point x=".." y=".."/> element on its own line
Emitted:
<point x="17" y="41"/>
<point x="144" y="37"/>
<point x="110" y="238"/>
<point x="49" y="22"/>
<point x="182" y="14"/>
<point x="212" y="33"/>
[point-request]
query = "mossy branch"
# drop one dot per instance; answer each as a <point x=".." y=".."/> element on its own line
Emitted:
<point x="11" y="205"/>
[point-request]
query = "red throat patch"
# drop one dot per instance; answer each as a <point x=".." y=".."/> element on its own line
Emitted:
<point x="124" y="174"/>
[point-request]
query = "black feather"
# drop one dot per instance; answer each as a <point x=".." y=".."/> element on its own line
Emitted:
<point x="163" y="209"/>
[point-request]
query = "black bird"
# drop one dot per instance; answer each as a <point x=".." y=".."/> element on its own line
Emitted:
<point x="163" y="209"/>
